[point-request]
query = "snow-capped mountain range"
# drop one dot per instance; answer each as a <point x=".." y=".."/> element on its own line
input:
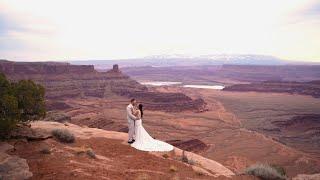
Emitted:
<point x="189" y="60"/>
<point x="245" y="59"/>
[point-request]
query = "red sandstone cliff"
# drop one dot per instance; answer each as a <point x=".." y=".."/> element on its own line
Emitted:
<point x="63" y="80"/>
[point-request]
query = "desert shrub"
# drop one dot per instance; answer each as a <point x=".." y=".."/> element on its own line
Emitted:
<point x="173" y="168"/>
<point x="45" y="150"/>
<point x="63" y="135"/>
<point x="200" y="173"/>
<point x="9" y="114"/>
<point x="280" y="169"/>
<point x="85" y="150"/>
<point x="191" y="161"/>
<point x="30" y="97"/>
<point x="21" y="101"/>
<point x="264" y="171"/>
<point x="165" y="156"/>
<point x="91" y="153"/>
<point x="184" y="158"/>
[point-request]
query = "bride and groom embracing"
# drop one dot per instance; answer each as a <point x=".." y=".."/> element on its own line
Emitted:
<point x="139" y="138"/>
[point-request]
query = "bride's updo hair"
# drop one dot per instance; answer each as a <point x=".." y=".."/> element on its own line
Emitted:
<point x="140" y="107"/>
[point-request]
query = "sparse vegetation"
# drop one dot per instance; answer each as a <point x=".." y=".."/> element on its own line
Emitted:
<point x="199" y="173"/>
<point x="91" y="153"/>
<point x="85" y="150"/>
<point x="185" y="159"/>
<point x="45" y="150"/>
<point x="191" y="161"/>
<point x="20" y="102"/>
<point x="173" y="168"/>
<point x="63" y="135"/>
<point x="143" y="177"/>
<point x="265" y="172"/>
<point x="165" y="156"/>
<point x="280" y="169"/>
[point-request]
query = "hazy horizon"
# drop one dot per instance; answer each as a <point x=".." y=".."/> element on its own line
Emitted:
<point x="41" y="30"/>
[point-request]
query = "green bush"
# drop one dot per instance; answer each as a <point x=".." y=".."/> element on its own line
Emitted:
<point x="266" y="172"/>
<point x="19" y="102"/>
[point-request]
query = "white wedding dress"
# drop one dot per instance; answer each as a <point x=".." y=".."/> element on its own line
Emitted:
<point x="144" y="142"/>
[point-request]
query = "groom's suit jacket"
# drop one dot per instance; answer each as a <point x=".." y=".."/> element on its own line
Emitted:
<point x="130" y="116"/>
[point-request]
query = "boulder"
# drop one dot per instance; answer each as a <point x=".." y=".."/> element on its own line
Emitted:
<point x="12" y="167"/>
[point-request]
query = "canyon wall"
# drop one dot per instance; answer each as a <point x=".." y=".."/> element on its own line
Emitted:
<point x="16" y="68"/>
<point x="311" y="88"/>
<point x="63" y="80"/>
<point x="226" y="73"/>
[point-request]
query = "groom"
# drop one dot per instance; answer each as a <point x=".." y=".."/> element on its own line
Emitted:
<point x="131" y="118"/>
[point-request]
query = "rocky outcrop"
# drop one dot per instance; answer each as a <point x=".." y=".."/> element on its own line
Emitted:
<point x="213" y="168"/>
<point x="302" y="121"/>
<point x="311" y="88"/>
<point x="12" y="167"/>
<point x="63" y="81"/>
<point x="25" y="132"/>
<point x="170" y="102"/>
<point x="26" y="68"/>
<point x="302" y="131"/>
<point x="115" y="69"/>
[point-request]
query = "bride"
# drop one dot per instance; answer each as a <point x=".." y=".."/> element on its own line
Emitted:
<point x="143" y="141"/>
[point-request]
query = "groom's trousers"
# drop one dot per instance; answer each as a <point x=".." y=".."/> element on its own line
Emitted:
<point x="131" y="129"/>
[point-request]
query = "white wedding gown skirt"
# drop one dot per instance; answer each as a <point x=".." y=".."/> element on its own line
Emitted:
<point x="145" y="142"/>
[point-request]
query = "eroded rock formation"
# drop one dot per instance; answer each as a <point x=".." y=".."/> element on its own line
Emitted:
<point x="63" y="80"/>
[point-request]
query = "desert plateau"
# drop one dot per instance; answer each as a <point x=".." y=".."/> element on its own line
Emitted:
<point x="222" y="131"/>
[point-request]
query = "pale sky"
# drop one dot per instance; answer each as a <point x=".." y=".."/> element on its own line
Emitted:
<point x="42" y="30"/>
